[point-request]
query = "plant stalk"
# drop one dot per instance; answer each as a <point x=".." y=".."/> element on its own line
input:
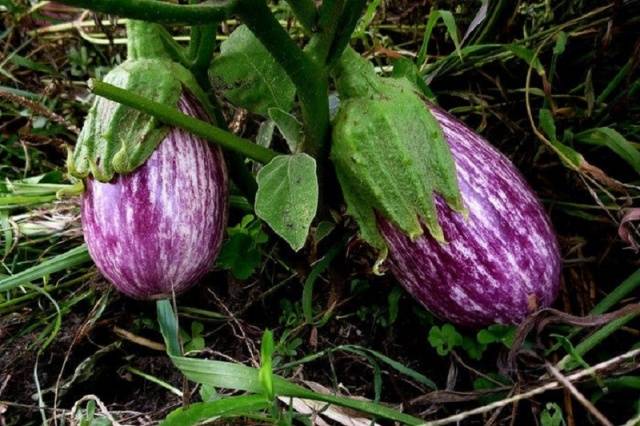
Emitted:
<point x="174" y="117"/>
<point x="305" y="12"/>
<point x="159" y="11"/>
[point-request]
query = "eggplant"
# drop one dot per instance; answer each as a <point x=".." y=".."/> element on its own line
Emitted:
<point x="499" y="263"/>
<point x="155" y="231"/>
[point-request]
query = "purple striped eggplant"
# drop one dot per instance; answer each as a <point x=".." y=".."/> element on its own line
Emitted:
<point x="501" y="262"/>
<point x="156" y="231"/>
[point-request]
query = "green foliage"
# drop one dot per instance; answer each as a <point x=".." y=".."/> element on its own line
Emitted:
<point x="82" y="62"/>
<point x="367" y="18"/>
<point x="405" y="68"/>
<point x="266" y="364"/>
<point x="208" y="393"/>
<point x="389" y="153"/>
<point x="552" y="415"/>
<point x="243" y="378"/>
<point x="446" y="338"/>
<point x="497" y="333"/>
<point x="382" y="314"/>
<point x="292" y="313"/>
<point x="491" y="381"/>
<point x="9" y="5"/>
<point x="87" y="416"/>
<point x="248" y="75"/>
<point x="610" y="138"/>
<point x="287" y="196"/>
<point x="473" y="348"/>
<point x="35" y="190"/>
<point x="74" y="257"/>
<point x="450" y="24"/>
<point x="307" y="292"/>
<point x="568" y="155"/>
<point x="290" y="128"/>
<point x="241" y="252"/>
<point x="528" y="56"/>
<point x="233" y="406"/>
<point x="193" y="341"/>
<point x="393" y="303"/>
<point x="287" y="346"/>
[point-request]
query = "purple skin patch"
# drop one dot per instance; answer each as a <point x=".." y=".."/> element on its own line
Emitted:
<point x="157" y="230"/>
<point x="498" y="265"/>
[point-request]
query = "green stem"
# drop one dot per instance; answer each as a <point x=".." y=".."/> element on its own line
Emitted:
<point x="338" y="20"/>
<point x="626" y="288"/>
<point x="329" y="19"/>
<point x="350" y="15"/>
<point x="305" y="12"/>
<point x="201" y="48"/>
<point x="159" y="11"/>
<point x="173" y="49"/>
<point x="309" y="77"/>
<point x="174" y="117"/>
<point x="205" y="37"/>
<point x="142" y="41"/>
<point x="594" y="340"/>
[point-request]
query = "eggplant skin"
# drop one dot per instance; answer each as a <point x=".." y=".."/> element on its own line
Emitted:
<point x="156" y="231"/>
<point x="500" y="263"/>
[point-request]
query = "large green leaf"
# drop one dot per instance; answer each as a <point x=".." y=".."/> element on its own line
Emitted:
<point x="287" y="196"/>
<point x="249" y="77"/>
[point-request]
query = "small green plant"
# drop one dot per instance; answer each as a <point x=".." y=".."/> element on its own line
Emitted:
<point x="292" y="314"/>
<point x="87" y="416"/>
<point x="193" y="341"/>
<point x="241" y="253"/>
<point x="446" y="338"/>
<point x="552" y="415"/>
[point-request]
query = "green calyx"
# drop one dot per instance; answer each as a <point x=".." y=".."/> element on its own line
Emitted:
<point x="390" y="154"/>
<point x="116" y="139"/>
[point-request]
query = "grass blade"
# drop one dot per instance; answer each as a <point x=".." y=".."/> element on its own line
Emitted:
<point x="206" y="411"/>
<point x="74" y="257"/>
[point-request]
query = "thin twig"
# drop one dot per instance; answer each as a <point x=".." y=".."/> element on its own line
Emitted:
<point x="578" y="395"/>
<point x="240" y="330"/>
<point x="142" y="341"/>
<point x="536" y="391"/>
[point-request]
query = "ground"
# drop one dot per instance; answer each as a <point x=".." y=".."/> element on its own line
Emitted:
<point x="69" y="334"/>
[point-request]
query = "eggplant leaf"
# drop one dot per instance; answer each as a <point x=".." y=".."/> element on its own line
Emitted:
<point x="287" y="196"/>
<point x="249" y="77"/>
<point x="289" y="126"/>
